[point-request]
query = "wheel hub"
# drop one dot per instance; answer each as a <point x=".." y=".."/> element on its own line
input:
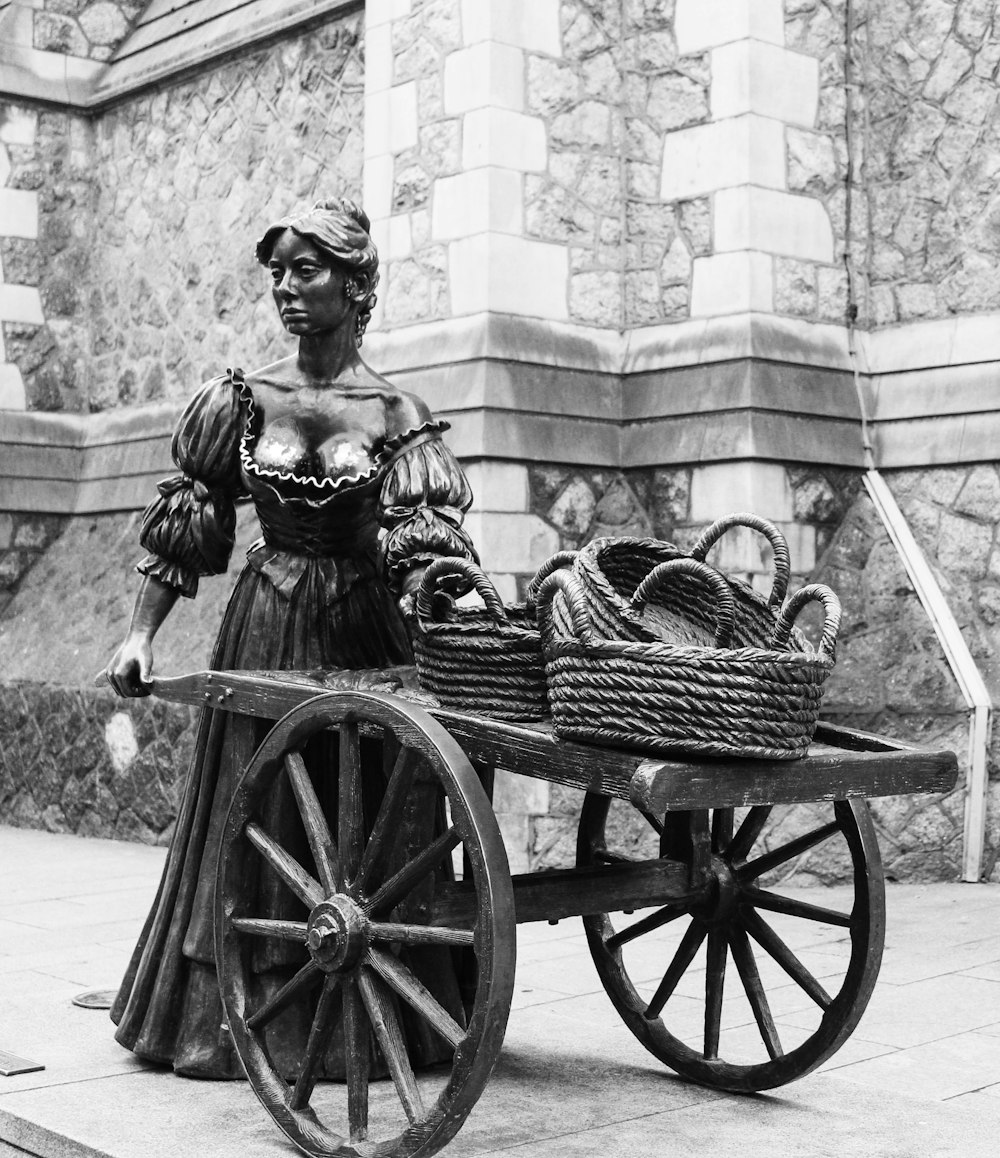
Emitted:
<point x="337" y="934"/>
<point x="721" y="894"/>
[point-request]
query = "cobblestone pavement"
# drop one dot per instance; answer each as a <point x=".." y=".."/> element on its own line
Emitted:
<point x="920" y="1075"/>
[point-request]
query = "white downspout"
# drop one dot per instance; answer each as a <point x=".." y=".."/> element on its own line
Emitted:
<point x="960" y="661"/>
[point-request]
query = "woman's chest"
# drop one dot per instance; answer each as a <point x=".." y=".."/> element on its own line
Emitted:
<point x="313" y="434"/>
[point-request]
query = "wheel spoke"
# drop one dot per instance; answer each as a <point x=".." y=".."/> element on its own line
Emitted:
<point x="654" y="822"/>
<point x="320" y="1033"/>
<point x="715" y="980"/>
<point x="746" y="966"/>
<point x="317" y="830"/>
<point x="307" y="976"/>
<point x="411" y="874"/>
<point x="390" y="1037"/>
<point x="349" y="817"/>
<point x="769" y="940"/>
<point x="386" y="823"/>
<point x="420" y="934"/>
<point x="266" y="927"/>
<point x="792" y="907"/>
<point x="356" y="1060"/>
<point x="646" y="924"/>
<point x="690" y="942"/>
<point x="722" y="829"/>
<point x="787" y="852"/>
<point x="749" y="830"/>
<point x="305" y="887"/>
<point x="416" y="994"/>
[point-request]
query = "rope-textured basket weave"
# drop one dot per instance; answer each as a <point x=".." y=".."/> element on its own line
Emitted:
<point x="610" y="570"/>
<point x="486" y="660"/>
<point x="701" y="700"/>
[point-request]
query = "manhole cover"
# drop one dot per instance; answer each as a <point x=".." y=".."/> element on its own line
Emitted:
<point x="96" y="999"/>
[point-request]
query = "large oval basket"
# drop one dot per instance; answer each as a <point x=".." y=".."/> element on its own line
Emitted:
<point x="702" y="700"/>
<point x="683" y="611"/>
<point x="486" y="660"/>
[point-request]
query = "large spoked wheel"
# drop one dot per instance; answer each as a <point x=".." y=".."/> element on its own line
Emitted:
<point x="748" y="983"/>
<point x="366" y="904"/>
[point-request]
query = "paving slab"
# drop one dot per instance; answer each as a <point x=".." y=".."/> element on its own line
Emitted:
<point x="919" y="1078"/>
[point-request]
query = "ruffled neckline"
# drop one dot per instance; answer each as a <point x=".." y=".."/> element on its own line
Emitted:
<point x="328" y="487"/>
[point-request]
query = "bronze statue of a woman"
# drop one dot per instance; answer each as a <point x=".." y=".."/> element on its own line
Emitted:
<point x="332" y="455"/>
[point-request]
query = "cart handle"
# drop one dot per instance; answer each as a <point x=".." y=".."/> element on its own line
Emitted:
<point x="782" y="559"/>
<point x="576" y="603"/>
<point x="554" y="563"/>
<point x="468" y="570"/>
<point x="716" y="583"/>
<point x="813" y="592"/>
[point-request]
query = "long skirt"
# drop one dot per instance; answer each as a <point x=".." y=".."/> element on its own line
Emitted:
<point x="168" y="1009"/>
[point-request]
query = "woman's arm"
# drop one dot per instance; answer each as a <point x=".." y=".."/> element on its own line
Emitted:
<point x="131" y="667"/>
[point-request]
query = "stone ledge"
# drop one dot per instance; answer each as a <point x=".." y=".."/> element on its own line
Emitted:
<point x="91" y="86"/>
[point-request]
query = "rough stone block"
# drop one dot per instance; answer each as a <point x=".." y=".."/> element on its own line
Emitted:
<point x="731" y="283"/>
<point x="501" y="137"/>
<point x="479" y="201"/>
<point x="512" y="542"/>
<point x="485" y="75"/>
<point x="18" y="213"/>
<point x="498" y="486"/>
<point x="701" y="24"/>
<point x="507" y="274"/>
<point x="752" y="77"/>
<point x="530" y="24"/>
<point x="773" y="222"/>
<point x="523" y="795"/>
<point x="723" y="154"/>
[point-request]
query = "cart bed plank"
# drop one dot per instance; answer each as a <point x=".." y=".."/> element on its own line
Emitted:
<point x="842" y="763"/>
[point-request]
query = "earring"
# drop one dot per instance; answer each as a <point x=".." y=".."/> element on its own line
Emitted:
<point x="351" y="288"/>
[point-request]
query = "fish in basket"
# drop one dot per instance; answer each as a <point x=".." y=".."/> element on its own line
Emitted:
<point x="686" y="698"/>
<point x="610" y="569"/>
<point x="481" y="659"/>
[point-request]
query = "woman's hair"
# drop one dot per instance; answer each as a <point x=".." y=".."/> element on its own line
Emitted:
<point x="339" y="228"/>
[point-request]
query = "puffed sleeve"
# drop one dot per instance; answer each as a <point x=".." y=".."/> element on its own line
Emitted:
<point x="189" y="529"/>
<point x="424" y="499"/>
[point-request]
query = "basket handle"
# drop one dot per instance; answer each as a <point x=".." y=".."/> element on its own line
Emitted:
<point x="553" y="563"/>
<point x="576" y="602"/>
<point x="725" y="605"/>
<point x="782" y="560"/>
<point x="812" y="592"/>
<point x="456" y="566"/>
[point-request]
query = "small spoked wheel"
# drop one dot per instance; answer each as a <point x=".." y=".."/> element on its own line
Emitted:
<point x="751" y="980"/>
<point x="362" y="888"/>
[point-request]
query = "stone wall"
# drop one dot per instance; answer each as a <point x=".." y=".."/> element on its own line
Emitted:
<point x="925" y="125"/>
<point x="91" y="29"/>
<point x="141" y="258"/>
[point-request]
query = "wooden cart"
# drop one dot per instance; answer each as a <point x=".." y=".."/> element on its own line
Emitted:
<point x="719" y="845"/>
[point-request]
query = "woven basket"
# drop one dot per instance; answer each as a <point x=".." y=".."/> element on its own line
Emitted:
<point x="486" y="660"/>
<point x="701" y="700"/>
<point x="610" y="570"/>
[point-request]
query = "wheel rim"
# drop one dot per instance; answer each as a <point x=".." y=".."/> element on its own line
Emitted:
<point x="721" y="929"/>
<point x="348" y="929"/>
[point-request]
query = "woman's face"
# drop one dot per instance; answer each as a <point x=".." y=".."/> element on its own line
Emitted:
<point x="308" y="286"/>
